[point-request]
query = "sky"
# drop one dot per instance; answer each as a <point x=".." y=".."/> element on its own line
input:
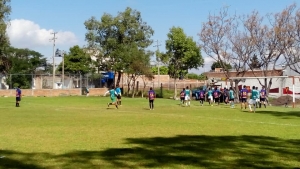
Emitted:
<point x="32" y="22"/>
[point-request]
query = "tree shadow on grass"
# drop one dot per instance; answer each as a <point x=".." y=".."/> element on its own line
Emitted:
<point x="183" y="151"/>
<point x="286" y="114"/>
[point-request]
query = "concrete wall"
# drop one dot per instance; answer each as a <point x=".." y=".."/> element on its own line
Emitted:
<point x="51" y="92"/>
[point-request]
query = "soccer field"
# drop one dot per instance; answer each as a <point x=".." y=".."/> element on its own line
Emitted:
<point x="81" y="132"/>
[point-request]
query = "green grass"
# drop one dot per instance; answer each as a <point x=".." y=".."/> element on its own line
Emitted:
<point x="80" y="132"/>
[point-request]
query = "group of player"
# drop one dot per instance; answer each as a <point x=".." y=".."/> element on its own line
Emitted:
<point x="115" y="97"/>
<point x="247" y="98"/>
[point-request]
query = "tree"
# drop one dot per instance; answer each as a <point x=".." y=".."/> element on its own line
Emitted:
<point x="24" y="65"/>
<point x="5" y="10"/>
<point x="218" y="64"/>
<point x="77" y="61"/>
<point x="223" y="40"/>
<point x="182" y="54"/>
<point x="116" y="38"/>
<point x="270" y="41"/>
<point x="254" y="62"/>
<point x="163" y="70"/>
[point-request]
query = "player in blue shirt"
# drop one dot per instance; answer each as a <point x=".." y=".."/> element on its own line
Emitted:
<point x="187" y="96"/>
<point x="216" y="95"/>
<point x="118" y="91"/>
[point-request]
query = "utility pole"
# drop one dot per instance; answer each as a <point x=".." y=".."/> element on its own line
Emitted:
<point x="53" y="73"/>
<point x="157" y="61"/>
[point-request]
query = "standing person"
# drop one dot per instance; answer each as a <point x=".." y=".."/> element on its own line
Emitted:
<point x="263" y="95"/>
<point x="231" y="97"/>
<point x="202" y="96"/>
<point x="118" y="91"/>
<point x="210" y="97"/>
<point x="187" y="96"/>
<point x="253" y="98"/>
<point x="225" y="94"/>
<point x="182" y="96"/>
<point x="257" y="97"/>
<point x="151" y="96"/>
<point x="87" y="91"/>
<point x="112" y="94"/>
<point x="216" y="95"/>
<point x="18" y="96"/>
<point x="244" y="95"/>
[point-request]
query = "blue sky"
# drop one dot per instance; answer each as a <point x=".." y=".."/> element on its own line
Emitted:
<point x="32" y="21"/>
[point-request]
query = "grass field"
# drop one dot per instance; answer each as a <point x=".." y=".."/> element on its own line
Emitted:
<point x="81" y="132"/>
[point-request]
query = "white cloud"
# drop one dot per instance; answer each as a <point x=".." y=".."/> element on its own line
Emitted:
<point x="27" y="34"/>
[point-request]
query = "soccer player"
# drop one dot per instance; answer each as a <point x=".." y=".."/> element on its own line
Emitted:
<point x="216" y="95"/>
<point x="231" y="97"/>
<point x="151" y="96"/>
<point x="182" y="96"/>
<point x="226" y="93"/>
<point x="210" y="97"/>
<point x="113" y="94"/>
<point x="202" y="96"/>
<point x="253" y="97"/>
<point x="118" y="91"/>
<point x="263" y="95"/>
<point x="18" y="96"/>
<point x="244" y="95"/>
<point x="187" y="96"/>
<point x="87" y="91"/>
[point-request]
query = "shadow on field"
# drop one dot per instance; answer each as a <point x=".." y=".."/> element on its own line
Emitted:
<point x="179" y="151"/>
<point x="286" y="114"/>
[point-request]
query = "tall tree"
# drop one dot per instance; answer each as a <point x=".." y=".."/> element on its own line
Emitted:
<point x="5" y="10"/>
<point x="254" y="62"/>
<point x="25" y="64"/>
<point x="77" y="61"/>
<point x="118" y="37"/>
<point x="182" y="54"/>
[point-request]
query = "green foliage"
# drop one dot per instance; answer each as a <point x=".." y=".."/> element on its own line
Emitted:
<point x="24" y="64"/>
<point x="163" y="70"/>
<point x="182" y="53"/>
<point x="77" y="61"/>
<point x="254" y="63"/>
<point x="119" y="39"/>
<point x="195" y="76"/>
<point x="220" y="64"/>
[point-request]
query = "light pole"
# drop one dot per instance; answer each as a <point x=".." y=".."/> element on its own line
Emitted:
<point x="157" y="61"/>
<point x="61" y="54"/>
<point x="53" y="73"/>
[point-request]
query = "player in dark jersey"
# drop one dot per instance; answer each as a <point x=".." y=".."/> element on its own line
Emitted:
<point x="263" y="95"/>
<point x="182" y="95"/>
<point x="18" y="96"/>
<point x="244" y="95"/>
<point x="151" y="96"/>
<point x="216" y="95"/>
<point x="202" y="97"/>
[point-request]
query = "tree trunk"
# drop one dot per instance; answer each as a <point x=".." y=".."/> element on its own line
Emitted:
<point x="236" y="83"/>
<point x="133" y="87"/>
<point x="119" y="78"/>
<point x="175" y="89"/>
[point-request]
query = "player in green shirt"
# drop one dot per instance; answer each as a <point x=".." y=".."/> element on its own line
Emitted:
<point x="254" y="96"/>
<point x="231" y="97"/>
<point x="210" y="96"/>
<point x="187" y="96"/>
<point x="113" y="95"/>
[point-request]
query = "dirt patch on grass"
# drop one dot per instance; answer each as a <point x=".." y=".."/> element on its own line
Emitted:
<point x="283" y="100"/>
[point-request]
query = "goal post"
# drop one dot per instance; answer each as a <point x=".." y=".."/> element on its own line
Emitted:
<point x="279" y="83"/>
